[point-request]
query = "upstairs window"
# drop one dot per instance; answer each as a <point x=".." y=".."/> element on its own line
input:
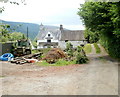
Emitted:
<point x="48" y="34"/>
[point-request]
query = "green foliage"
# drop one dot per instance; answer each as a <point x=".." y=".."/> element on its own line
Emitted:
<point x="34" y="42"/>
<point x="69" y="49"/>
<point x="97" y="48"/>
<point x="5" y="34"/>
<point x="79" y="48"/>
<point x="88" y="48"/>
<point x="16" y="36"/>
<point x="60" y="62"/>
<point x="44" y="50"/>
<point x="4" y="29"/>
<point x="92" y="37"/>
<point x="80" y="59"/>
<point x="103" y="18"/>
<point x="3" y="39"/>
<point x="80" y="56"/>
<point x="43" y="63"/>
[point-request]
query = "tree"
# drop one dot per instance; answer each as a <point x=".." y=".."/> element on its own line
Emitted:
<point x="11" y="2"/>
<point x="16" y="36"/>
<point x="103" y="18"/>
<point x="92" y="37"/>
<point x="4" y="29"/>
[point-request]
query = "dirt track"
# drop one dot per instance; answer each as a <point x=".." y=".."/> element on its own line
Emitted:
<point x="99" y="77"/>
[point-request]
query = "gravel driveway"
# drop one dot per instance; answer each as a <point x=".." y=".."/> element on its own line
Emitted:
<point x="98" y="77"/>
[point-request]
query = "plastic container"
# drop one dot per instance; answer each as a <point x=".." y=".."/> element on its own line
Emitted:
<point x="6" y="57"/>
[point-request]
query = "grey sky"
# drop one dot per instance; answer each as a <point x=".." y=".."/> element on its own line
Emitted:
<point x="49" y="12"/>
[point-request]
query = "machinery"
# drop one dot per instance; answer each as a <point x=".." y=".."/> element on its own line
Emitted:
<point x="22" y="47"/>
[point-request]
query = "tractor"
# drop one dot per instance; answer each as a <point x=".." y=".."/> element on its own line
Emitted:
<point x="22" y="47"/>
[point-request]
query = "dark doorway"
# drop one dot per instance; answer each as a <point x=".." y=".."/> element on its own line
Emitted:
<point x="49" y="41"/>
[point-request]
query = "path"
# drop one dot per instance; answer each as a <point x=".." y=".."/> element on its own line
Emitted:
<point x="99" y="77"/>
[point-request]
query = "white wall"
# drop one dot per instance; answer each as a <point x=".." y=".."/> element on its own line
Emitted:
<point x="62" y="44"/>
<point x="45" y="40"/>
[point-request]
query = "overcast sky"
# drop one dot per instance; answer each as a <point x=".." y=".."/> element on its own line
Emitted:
<point x="48" y="12"/>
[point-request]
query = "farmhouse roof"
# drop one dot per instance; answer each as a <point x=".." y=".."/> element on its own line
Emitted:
<point x="72" y="35"/>
<point x="60" y="33"/>
<point x="45" y="29"/>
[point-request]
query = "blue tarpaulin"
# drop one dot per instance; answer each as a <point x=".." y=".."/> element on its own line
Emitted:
<point x="6" y="57"/>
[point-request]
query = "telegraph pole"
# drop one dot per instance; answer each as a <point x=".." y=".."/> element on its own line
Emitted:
<point x="27" y="32"/>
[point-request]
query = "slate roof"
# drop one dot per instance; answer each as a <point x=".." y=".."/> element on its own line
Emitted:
<point x="44" y="30"/>
<point x="71" y="35"/>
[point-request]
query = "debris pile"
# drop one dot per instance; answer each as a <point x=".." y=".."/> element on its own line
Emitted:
<point x="27" y="58"/>
<point x="54" y="54"/>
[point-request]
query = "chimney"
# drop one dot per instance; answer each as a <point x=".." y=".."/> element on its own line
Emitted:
<point x="61" y="27"/>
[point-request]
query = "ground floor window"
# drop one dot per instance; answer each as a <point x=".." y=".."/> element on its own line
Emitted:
<point x="48" y="40"/>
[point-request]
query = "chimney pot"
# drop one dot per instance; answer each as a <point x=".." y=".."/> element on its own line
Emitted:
<point x="61" y="27"/>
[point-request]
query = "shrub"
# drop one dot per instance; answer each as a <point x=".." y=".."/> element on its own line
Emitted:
<point x="80" y="59"/>
<point x="79" y="48"/>
<point x="81" y="56"/>
<point x="69" y="49"/>
<point x="69" y="46"/>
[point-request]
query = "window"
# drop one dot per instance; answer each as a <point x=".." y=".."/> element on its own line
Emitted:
<point x="48" y="40"/>
<point x="66" y="40"/>
<point x="48" y="34"/>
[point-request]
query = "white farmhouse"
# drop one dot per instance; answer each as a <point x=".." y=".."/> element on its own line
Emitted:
<point x="57" y="37"/>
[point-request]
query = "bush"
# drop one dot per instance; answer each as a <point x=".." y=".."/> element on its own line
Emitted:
<point x="69" y="46"/>
<point x="69" y="49"/>
<point x="80" y="59"/>
<point x="79" y="48"/>
<point x="81" y="56"/>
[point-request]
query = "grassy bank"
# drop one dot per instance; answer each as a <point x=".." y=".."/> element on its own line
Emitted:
<point x="88" y="48"/>
<point x="97" y="48"/>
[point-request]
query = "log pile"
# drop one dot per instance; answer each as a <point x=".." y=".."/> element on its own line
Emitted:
<point x="27" y="58"/>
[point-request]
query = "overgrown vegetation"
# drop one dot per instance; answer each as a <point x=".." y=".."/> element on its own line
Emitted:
<point x="6" y="34"/>
<point x="78" y="55"/>
<point x="56" y="57"/>
<point x="103" y="18"/>
<point x="69" y="49"/>
<point x="81" y="56"/>
<point x="88" y="48"/>
<point x="97" y="48"/>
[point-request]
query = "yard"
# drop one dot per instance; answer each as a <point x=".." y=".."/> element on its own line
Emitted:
<point x="98" y="77"/>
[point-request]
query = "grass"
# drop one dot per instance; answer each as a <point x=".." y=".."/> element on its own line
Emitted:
<point x="88" y="48"/>
<point x="97" y="48"/>
<point x="44" y="50"/>
<point x="60" y="62"/>
<point x="2" y="76"/>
